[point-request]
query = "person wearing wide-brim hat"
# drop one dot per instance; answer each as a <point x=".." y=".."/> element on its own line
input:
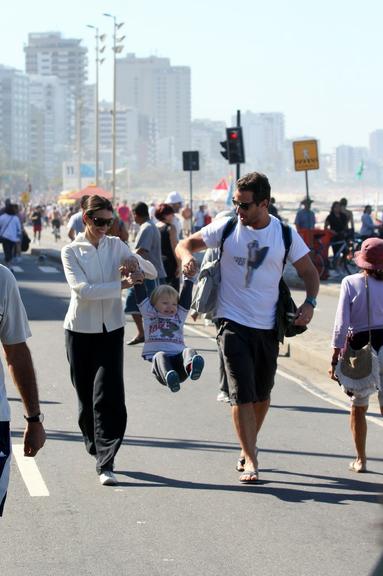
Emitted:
<point x="352" y="318"/>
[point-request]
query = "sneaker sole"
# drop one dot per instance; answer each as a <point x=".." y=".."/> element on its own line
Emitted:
<point x="173" y="381"/>
<point x="197" y="366"/>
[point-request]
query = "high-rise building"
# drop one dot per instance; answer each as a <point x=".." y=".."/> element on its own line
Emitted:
<point x="49" y="54"/>
<point x="206" y="136"/>
<point x="48" y="98"/>
<point x="264" y="137"/>
<point x="161" y="94"/>
<point x="14" y="115"/>
<point x="376" y="146"/>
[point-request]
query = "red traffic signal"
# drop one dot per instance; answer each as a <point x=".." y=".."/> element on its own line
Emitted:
<point x="234" y="148"/>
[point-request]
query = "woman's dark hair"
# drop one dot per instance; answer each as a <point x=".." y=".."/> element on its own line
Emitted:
<point x="336" y="203"/>
<point x="162" y="211"/>
<point x="141" y="209"/>
<point x="91" y="204"/>
<point x="377" y="274"/>
<point x="256" y="183"/>
<point x="10" y="209"/>
<point x="367" y="207"/>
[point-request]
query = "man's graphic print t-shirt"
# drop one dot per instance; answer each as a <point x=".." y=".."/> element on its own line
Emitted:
<point x="251" y="267"/>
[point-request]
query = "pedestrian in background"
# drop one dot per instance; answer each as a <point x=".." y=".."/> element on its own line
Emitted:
<point x="175" y="200"/>
<point x="94" y="331"/>
<point x="336" y="222"/>
<point x="14" y="331"/>
<point x="76" y="224"/>
<point x="350" y="218"/>
<point x="147" y="245"/>
<point x="168" y="232"/>
<point x="351" y="326"/>
<point x="10" y="232"/>
<point x="368" y="227"/>
<point x="305" y="217"/>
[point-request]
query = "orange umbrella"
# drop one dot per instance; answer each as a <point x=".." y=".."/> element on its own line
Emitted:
<point x="91" y="191"/>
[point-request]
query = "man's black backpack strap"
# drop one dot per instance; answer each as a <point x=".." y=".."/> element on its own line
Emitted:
<point x="229" y="227"/>
<point x="287" y="239"/>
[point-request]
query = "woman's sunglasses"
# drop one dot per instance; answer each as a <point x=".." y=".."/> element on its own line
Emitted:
<point x="99" y="222"/>
<point x="242" y="205"/>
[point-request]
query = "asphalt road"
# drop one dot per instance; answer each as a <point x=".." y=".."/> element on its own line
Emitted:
<point x="179" y="508"/>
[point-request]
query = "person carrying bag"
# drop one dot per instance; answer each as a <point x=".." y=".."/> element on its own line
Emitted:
<point x="357" y="360"/>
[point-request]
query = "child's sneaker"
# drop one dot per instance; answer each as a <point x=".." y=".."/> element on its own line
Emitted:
<point x="173" y="380"/>
<point x="196" y="367"/>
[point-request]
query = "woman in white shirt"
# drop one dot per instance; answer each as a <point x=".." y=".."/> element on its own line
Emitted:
<point x="94" y="331"/>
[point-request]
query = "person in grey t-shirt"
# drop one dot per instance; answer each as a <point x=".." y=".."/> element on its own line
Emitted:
<point x="148" y="245"/>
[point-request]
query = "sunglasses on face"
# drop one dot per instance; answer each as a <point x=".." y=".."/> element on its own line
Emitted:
<point x="99" y="222"/>
<point x="242" y="205"/>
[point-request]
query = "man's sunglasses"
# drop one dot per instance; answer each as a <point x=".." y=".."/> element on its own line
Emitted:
<point x="242" y="205"/>
<point x="99" y="222"/>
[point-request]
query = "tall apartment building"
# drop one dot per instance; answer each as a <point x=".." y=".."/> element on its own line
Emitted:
<point x="49" y="54"/>
<point x="206" y="136"/>
<point x="264" y="137"/>
<point x="126" y="135"/>
<point x="48" y="96"/>
<point x="14" y="115"/>
<point x="376" y="146"/>
<point x="161" y="94"/>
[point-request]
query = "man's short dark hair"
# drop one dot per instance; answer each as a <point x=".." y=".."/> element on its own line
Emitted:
<point x="256" y="183"/>
<point x="141" y="209"/>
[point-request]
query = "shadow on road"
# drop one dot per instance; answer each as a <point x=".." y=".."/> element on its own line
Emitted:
<point x="348" y="490"/>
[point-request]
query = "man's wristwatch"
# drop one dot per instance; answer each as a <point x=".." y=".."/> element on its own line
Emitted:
<point x="37" y="418"/>
<point x="311" y="300"/>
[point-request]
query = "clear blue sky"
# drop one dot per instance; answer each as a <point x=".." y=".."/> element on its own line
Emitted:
<point x="318" y="63"/>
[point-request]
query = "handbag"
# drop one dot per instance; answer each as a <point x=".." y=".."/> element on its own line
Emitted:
<point x="206" y="293"/>
<point x="286" y="308"/>
<point x="358" y="371"/>
<point x="25" y="241"/>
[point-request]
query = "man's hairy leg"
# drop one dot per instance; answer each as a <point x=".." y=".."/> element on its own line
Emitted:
<point x="245" y="424"/>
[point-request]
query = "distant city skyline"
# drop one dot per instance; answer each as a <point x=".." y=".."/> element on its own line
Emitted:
<point x="319" y="67"/>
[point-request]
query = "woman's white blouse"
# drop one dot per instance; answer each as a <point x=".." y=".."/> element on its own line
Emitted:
<point x="95" y="283"/>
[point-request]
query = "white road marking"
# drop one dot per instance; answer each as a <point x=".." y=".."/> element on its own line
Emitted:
<point x="17" y="269"/>
<point x="48" y="269"/>
<point x="29" y="472"/>
<point x="307" y="387"/>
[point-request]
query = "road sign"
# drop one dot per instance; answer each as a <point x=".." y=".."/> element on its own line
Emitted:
<point x="190" y="160"/>
<point x="306" y="155"/>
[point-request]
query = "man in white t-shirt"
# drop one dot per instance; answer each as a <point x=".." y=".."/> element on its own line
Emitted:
<point x="14" y="331"/>
<point x="251" y="268"/>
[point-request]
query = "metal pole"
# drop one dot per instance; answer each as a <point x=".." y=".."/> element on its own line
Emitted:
<point x="96" y="103"/>
<point x="78" y="140"/>
<point x="238" y="126"/>
<point x="307" y="184"/>
<point x="191" y="199"/>
<point x="114" y="113"/>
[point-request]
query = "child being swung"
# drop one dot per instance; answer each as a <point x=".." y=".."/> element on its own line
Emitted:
<point x="164" y="316"/>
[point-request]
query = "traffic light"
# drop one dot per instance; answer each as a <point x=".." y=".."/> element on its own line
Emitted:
<point x="235" y="148"/>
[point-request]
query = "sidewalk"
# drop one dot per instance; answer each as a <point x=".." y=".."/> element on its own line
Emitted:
<point x="307" y="355"/>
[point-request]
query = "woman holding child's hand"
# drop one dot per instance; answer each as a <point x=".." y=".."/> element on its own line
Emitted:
<point x="97" y="267"/>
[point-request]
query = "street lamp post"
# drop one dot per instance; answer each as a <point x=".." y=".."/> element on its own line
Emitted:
<point x="117" y="48"/>
<point x="98" y="62"/>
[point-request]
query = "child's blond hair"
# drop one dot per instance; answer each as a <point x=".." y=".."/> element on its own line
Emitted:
<point x="163" y="290"/>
